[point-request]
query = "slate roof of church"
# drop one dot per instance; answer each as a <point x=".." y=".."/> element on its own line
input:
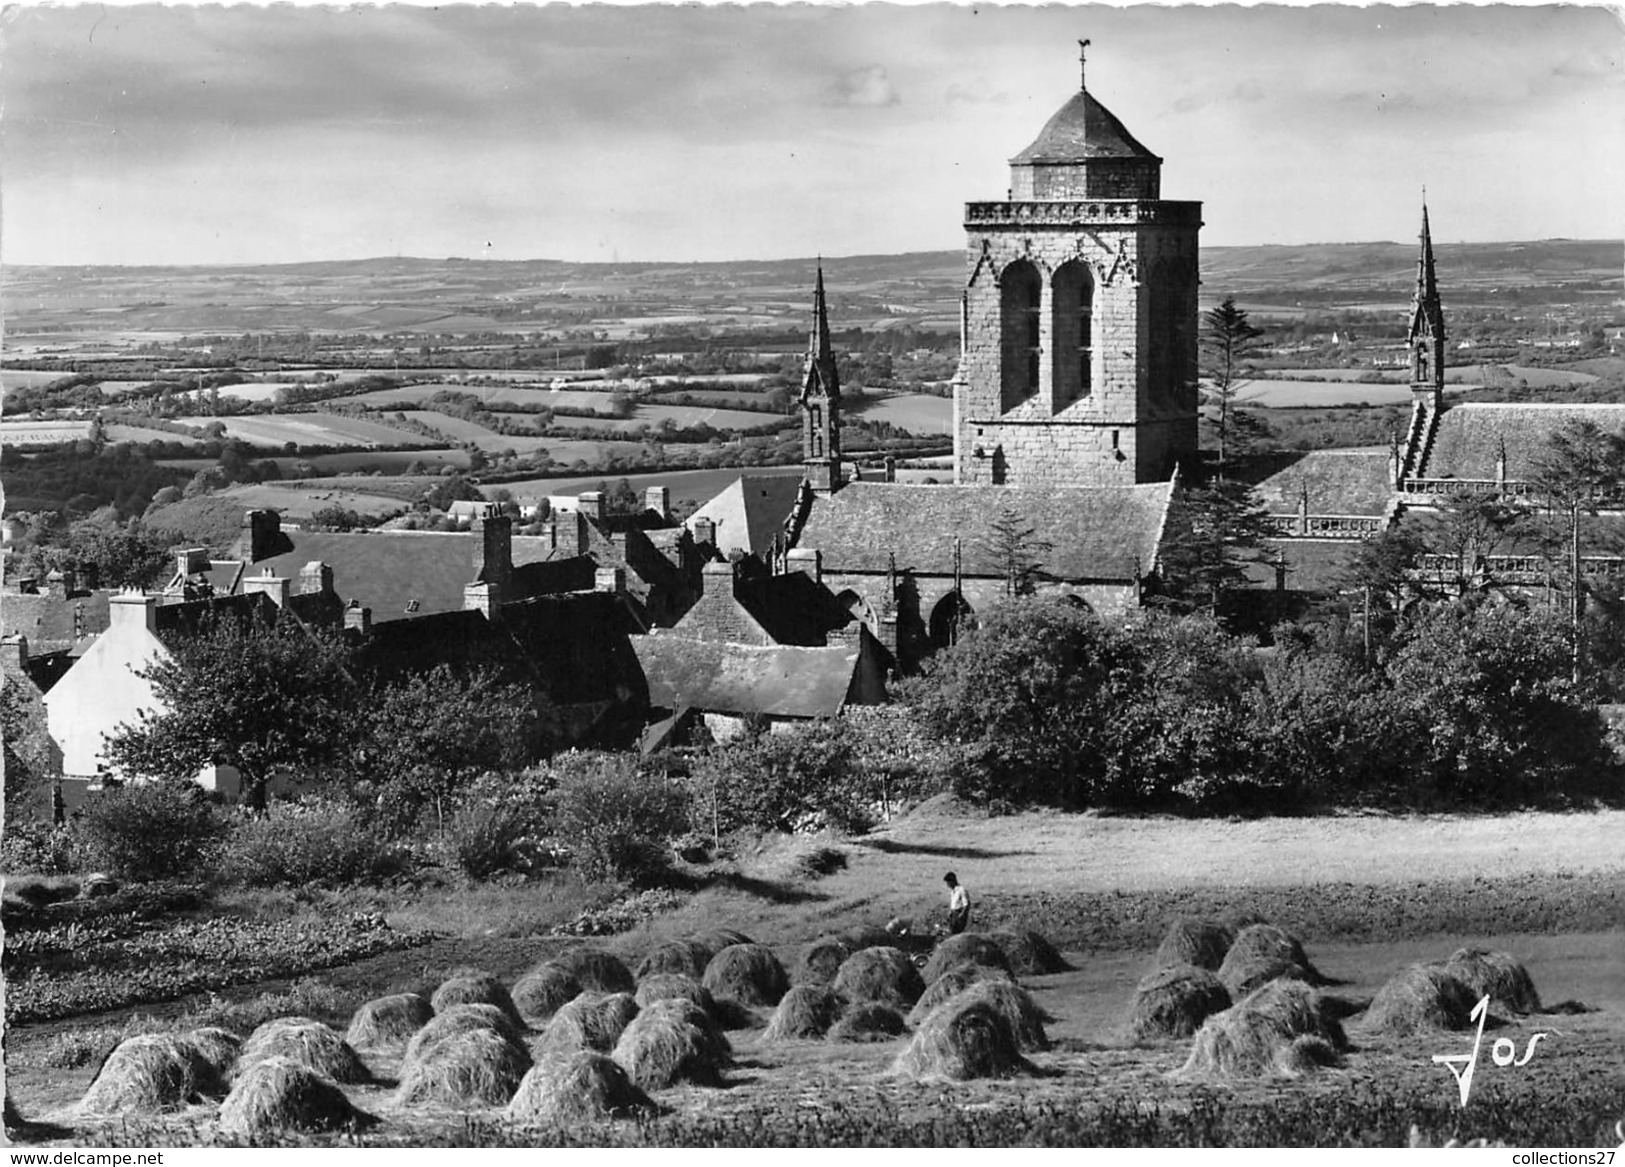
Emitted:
<point x="1094" y="532"/>
<point x="750" y="511"/>
<point x="1082" y="130"/>
<point x="1470" y="436"/>
<point x="1311" y="565"/>
<point x="714" y="676"/>
<point x="1339" y="482"/>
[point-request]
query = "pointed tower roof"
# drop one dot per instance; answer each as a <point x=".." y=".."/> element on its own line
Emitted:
<point x="1425" y="300"/>
<point x="821" y="374"/>
<point x="1080" y="131"/>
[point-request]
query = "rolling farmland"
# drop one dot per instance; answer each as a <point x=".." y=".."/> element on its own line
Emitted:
<point x="312" y="429"/>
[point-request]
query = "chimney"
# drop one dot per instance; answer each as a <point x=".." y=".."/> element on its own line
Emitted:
<point x="717" y="576"/>
<point x="357" y="618"/>
<point x="705" y="531"/>
<point x="264" y="533"/>
<point x="130" y="608"/>
<point x="482" y="598"/>
<point x="807" y="560"/>
<point x="315" y="579"/>
<point x="658" y="500"/>
<point x="191" y="560"/>
<point x="271" y="585"/>
<point x="593" y="505"/>
<point x="891" y="467"/>
<point x="56" y="584"/>
<point x="14" y="652"/>
<point x="609" y="579"/>
<point x="576" y="543"/>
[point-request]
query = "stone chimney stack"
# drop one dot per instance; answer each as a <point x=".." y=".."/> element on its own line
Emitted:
<point x="717" y="577"/>
<point x="271" y="585"/>
<point x="807" y="560"/>
<point x="609" y="579"/>
<point x="594" y="506"/>
<point x="357" y="618"/>
<point x="264" y="534"/>
<point x="315" y="579"/>
<point x="658" y="500"/>
<point x="705" y="531"/>
<point x="59" y="584"/>
<point x="132" y="607"/>
<point x="494" y="564"/>
<point x="14" y="652"/>
<point x="891" y="467"/>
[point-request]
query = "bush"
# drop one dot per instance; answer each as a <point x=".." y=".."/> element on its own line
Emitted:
<point x="803" y="779"/>
<point x="487" y="837"/>
<point x="152" y="830"/>
<point x="310" y="842"/>
<point x="39" y="849"/>
<point x="614" y="818"/>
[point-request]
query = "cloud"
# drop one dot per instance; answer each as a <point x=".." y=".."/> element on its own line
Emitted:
<point x="977" y="92"/>
<point x="868" y="87"/>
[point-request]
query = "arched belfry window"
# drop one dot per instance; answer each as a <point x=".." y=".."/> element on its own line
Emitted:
<point x="1074" y="331"/>
<point x="1020" y="296"/>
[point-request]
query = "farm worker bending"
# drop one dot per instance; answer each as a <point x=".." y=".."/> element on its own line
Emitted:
<point x="958" y="904"/>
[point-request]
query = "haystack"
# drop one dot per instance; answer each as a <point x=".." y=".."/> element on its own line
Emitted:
<point x="870" y="1021"/>
<point x="145" y="1074"/>
<point x="461" y="1019"/>
<point x="966" y="948"/>
<point x="543" y="991"/>
<point x="477" y="1068"/>
<point x="951" y="984"/>
<point x="598" y="971"/>
<point x="883" y="975"/>
<point x="1253" y="1038"/>
<point x="1029" y="954"/>
<point x="1419" y="998"/>
<point x="584" y="1087"/>
<point x="717" y="939"/>
<point x="962" y="1040"/>
<point x="218" y="1049"/>
<point x="386" y="1022"/>
<point x="675" y="986"/>
<point x="1016" y="1005"/>
<point x="471" y="986"/>
<point x="1498" y="974"/>
<point x="593" y="1021"/>
<point x="1262" y="953"/>
<point x="820" y="961"/>
<point x="310" y="1043"/>
<point x="686" y="957"/>
<point x="1192" y="942"/>
<point x="806" y="1011"/>
<point x="661" y="1048"/>
<point x="717" y="1045"/>
<point x="747" y="973"/>
<point x="1175" y="1000"/>
<point x="861" y="936"/>
<point x="278" y="1094"/>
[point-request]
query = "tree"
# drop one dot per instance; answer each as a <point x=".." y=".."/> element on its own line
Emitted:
<point x="1213" y="532"/>
<point x="1013" y="544"/>
<point x="1226" y="342"/>
<point x="254" y="696"/>
<point x="1468" y="530"/>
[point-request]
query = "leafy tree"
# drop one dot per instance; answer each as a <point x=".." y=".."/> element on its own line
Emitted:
<point x="614" y="816"/>
<point x="242" y="693"/>
<point x="1014" y="546"/>
<point x="1226" y="342"/>
<point x="781" y="782"/>
<point x="1468" y="530"/>
<point x="1213" y="532"/>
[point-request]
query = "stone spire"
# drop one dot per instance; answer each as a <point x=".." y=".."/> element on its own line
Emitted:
<point x="1426" y="333"/>
<point x="821" y="401"/>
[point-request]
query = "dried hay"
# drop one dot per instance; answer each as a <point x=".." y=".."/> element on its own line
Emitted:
<point x="1419" y="998"/>
<point x="1028" y="953"/>
<point x="883" y="975"/>
<point x="310" y="1043"/>
<point x="598" y="971"/>
<point x="593" y="1021"/>
<point x="820" y="961"/>
<point x="966" y="948"/>
<point x="861" y="936"/>
<point x="747" y="973"/>
<point x="870" y="1021"/>
<point x="1499" y="974"/>
<point x="461" y="1019"/>
<point x="951" y="984"/>
<point x="661" y="1048"/>
<point x="217" y="1051"/>
<point x="716" y="1042"/>
<point x="806" y="1011"/>
<point x="469" y="986"/>
<point x="543" y="991"/>
<point x="1253" y="1037"/>
<point x="962" y="1039"/>
<point x="386" y="1022"/>
<point x="584" y="1087"/>
<point x="479" y="1067"/>
<point x="1175" y="1000"/>
<point x="279" y="1094"/>
<point x="1262" y="953"/>
<point x="1192" y="942"/>
<point x="717" y="939"/>
<point x="675" y="986"/>
<point x="1305" y="1055"/>
<point x="687" y="957"/>
<point x="147" y="1073"/>
<point x="1016" y="1005"/>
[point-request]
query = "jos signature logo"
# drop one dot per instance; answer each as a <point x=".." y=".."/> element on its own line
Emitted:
<point x="1504" y="1052"/>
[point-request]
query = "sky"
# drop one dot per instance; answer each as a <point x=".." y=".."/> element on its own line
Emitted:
<point x="151" y="134"/>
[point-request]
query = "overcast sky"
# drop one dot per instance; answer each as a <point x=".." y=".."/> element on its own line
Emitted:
<point x="150" y="134"/>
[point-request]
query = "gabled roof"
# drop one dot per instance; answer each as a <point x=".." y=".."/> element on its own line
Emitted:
<point x="1082" y="130"/>
<point x="743" y="679"/>
<point x="1338" y="482"/>
<point x="1471" y="437"/>
<point x="1094" y="532"/>
<point x="792" y="608"/>
<point x="49" y="623"/>
<point x="751" y="512"/>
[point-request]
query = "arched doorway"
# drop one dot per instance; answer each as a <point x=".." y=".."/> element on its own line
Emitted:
<point x="950" y="619"/>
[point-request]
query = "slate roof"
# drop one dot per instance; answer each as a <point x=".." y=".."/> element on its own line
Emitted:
<point x="1312" y="565"/>
<point x="743" y="679"/>
<point x="1339" y="482"/>
<point x="1470" y="436"/>
<point x="1095" y="532"/>
<point x="1082" y="129"/>
<point x="792" y="608"/>
<point x="751" y="511"/>
<point x="49" y="623"/>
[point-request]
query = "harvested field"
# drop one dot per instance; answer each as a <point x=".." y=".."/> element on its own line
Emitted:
<point x="312" y="429"/>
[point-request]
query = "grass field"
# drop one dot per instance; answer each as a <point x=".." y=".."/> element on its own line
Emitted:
<point x="918" y="413"/>
<point x="42" y="433"/>
<point x="1547" y="888"/>
<point x="312" y="429"/>
<point x="491" y="442"/>
<point x="489" y="396"/>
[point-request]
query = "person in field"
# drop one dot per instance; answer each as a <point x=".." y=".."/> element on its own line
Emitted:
<point x="958" y="904"/>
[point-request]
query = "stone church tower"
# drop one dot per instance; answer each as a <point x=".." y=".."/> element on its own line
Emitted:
<point x="1426" y="333"/>
<point x="821" y="403"/>
<point x="1078" y="322"/>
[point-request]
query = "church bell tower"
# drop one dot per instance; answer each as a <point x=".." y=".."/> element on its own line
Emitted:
<point x="1079" y="316"/>
<point x="821" y="403"/>
<point x="1425" y="336"/>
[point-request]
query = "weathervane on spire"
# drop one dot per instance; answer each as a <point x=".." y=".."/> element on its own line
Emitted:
<point x="1083" y="61"/>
